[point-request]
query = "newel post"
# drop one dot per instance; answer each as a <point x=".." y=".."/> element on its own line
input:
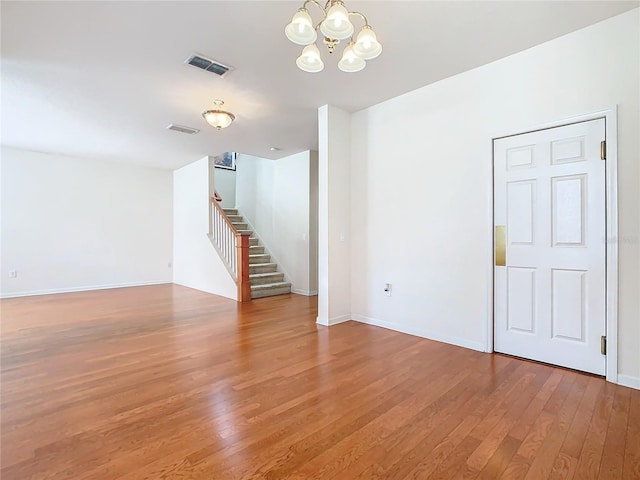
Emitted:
<point x="244" y="285"/>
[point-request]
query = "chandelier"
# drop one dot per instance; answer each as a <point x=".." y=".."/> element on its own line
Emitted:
<point x="335" y="26"/>
<point x="218" y="118"/>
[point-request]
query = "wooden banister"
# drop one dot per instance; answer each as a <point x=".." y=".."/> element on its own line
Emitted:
<point x="222" y="214"/>
<point x="242" y="280"/>
<point x="240" y="266"/>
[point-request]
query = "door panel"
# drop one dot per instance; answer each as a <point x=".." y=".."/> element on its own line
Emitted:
<point x="569" y="210"/>
<point x="549" y="193"/>
<point x="521" y="201"/>
<point x="521" y="295"/>
<point x="569" y="304"/>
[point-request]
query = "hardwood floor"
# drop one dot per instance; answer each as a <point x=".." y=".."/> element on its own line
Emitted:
<point x="165" y="382"/>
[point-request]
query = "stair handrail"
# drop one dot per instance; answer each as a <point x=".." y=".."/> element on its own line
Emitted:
<point x="233" y="248"/>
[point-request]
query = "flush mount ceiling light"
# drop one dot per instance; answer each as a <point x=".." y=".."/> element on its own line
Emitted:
<point x="218" y="118"/>
<point x="334" y="26"/>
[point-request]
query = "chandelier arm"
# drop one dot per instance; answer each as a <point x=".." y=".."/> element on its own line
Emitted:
<point x="361" y="15"/>
<point x="322" y="9"/>
<point x="314" y="2"/>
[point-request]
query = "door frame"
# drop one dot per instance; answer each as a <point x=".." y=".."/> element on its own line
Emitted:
<point x="610" y="116"/>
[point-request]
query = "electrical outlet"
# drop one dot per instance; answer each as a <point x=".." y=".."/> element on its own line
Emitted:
<point x="13" y="274"/>
<point x="387" y="289"/>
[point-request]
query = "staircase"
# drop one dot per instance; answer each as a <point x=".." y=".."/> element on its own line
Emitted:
<point x="266" y="281"/>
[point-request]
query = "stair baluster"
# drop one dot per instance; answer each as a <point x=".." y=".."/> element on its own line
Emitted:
<point x="233" y="248"/>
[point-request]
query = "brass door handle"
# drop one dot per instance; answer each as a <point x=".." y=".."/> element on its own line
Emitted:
<point x="500" y="239"/>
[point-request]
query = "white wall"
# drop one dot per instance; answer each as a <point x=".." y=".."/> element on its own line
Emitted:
<point x="274" y="197"/>
<point x="334" y="216"/>
<point x="74" y="224"/>
<point x="196" y="263"/>
<point x="225" y="182"/>
<point x="421" y="179"/>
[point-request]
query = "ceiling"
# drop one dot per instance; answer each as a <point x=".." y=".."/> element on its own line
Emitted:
<point x="103" y="79"/>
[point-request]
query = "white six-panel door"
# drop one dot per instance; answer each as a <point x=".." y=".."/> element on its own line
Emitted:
<point x="549" y="207"/>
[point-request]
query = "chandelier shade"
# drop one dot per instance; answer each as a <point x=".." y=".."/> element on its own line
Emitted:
<point x="300" y="31"/>
<point x="335" y="26"/>
<point x="367" y="46"/>
<point x="350" y="62"/>
<point x="310" y="60"/>
<point x="218" y="118"/>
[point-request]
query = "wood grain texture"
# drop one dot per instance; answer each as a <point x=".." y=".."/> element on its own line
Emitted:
<point x="165" y="382"/>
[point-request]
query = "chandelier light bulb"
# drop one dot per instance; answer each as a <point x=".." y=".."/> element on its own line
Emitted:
<point x="350" y="62"/>
<point x="310" y="60"/>
<point x="337" y="24"/>
<point x="300" y="30"/>
<point x="367" y="45"/>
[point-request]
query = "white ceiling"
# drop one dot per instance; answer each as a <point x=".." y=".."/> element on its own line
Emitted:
<point x="104" y="79"/>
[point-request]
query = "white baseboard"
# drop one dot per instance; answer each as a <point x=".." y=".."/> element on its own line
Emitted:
<point x="460" y="342"/>
<point x="629" y="381"/>
<point x="78" y="289"/>
<point x="327" y="322"/>
<point x="308" y="293"/>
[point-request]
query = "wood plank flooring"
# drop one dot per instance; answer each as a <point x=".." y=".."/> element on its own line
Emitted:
<point x="164" y="382"/>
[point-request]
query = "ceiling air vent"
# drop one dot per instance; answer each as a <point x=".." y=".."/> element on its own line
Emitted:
<point x="182" y="129"/>
<point x="208" y="65"/>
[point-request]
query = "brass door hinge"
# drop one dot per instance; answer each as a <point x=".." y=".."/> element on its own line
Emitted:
<point x="603" y="345"/>
<point x="603" y="150"/>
